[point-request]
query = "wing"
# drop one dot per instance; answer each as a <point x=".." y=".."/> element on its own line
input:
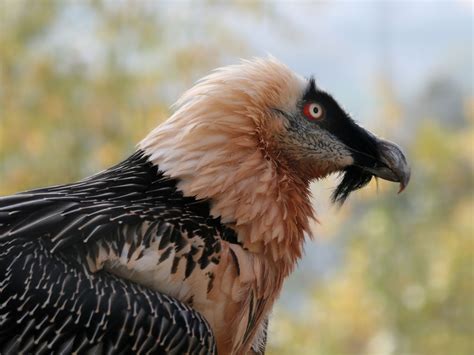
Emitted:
<point x="49" y="305"/>
<point x="59" y="234"/>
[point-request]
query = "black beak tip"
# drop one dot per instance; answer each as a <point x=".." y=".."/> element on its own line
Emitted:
<point x="396" y="162"/>
<point x="404" y="179"/>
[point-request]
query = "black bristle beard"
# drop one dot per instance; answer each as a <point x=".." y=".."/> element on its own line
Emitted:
<point x="353" y="178"/>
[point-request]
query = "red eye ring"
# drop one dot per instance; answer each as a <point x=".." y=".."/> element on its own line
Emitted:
<point x="313" y="111"/>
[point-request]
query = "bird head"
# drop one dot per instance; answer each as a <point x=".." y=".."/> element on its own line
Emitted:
<point x="250" y="137"/>
<point x="319" y="138"/>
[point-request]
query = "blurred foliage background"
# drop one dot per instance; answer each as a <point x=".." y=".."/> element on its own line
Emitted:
<point x="82" y="81"/>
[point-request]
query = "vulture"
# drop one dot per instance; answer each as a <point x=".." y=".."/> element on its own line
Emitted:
<point x="184" y="246"/>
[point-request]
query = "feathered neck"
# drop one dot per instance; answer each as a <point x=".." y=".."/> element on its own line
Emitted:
<point x="218" y="144"/>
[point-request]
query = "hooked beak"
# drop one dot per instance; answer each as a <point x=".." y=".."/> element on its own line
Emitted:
<point x="392" y="165"/>
<point x="372" y="157"/>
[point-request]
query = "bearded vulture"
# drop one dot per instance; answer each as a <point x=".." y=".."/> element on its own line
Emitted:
<point x="183" y="247"/>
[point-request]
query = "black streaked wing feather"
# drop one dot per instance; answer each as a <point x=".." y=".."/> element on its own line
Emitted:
<point x="130" y="193"/>
<point x="63" y="225"/>
<point x="63" y="309"/>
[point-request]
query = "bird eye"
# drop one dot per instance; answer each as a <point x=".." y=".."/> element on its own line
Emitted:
<point x="313" y="111"/>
